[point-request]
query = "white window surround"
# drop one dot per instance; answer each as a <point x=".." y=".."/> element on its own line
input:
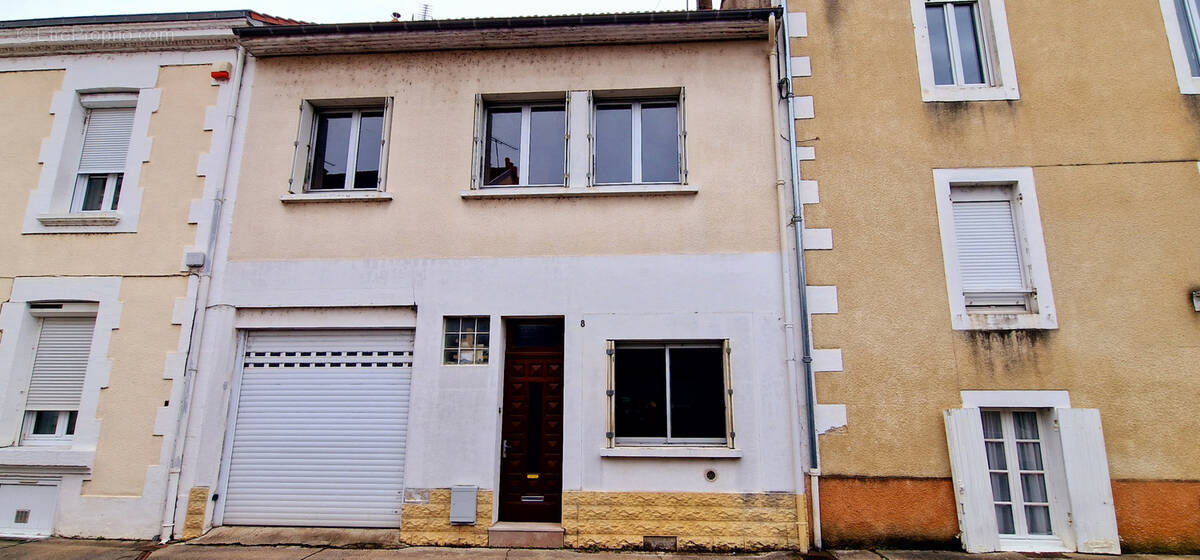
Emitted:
<point x="1042" y="315"/>
<point x="20" y="326"/>
<point x="305" y="142"/>
<point x="580" y="183"/>
<point x="1077" y="470"/>
<point x="1001" y="70"/>
<point x="1188" y="84"/>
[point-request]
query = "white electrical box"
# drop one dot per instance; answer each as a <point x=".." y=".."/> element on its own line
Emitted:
<point x="462" y="504"/>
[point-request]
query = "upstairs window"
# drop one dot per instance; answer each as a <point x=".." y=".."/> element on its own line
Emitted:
<point x="342" y="146"/>
<point x="102" y="160"/>
<point x="525" y="145"/>
<point x="638" y="141"/>
<point x="1182" y="19"/>
<point x="963" y="50"/>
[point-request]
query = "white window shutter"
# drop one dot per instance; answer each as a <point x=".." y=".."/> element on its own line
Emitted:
<point x="1088" y="485"/>
<point x="972" y="489"/>
<point x="478" y="147"/>
<point x="610" y="349"/>
<point x="385" y="144"/>
<point x="106" y="140"/>
<point x="60" y="363"/>
<point x="303" y="149"/>
<point x="683" y="172"/>
<point x="988" y="254"/>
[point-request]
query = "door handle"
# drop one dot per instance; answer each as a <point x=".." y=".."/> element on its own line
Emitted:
<point x="504" y="449"/>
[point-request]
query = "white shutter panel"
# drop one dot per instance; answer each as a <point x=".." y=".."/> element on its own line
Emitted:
<point x="988" y="257"/>
<point x="477" y="147"/>
<point x="1088" y="485"/>
<point x="106" y="140"/>
<point x="321" y="429"/>
<point x="60" y="363"/>
<point x="972" y="489"/>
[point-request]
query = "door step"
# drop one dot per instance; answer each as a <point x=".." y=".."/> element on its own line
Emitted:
<point x="509" y="534"/>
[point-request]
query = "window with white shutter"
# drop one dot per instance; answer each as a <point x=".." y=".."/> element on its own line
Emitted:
<point x="102" y="160"/>
<point x="56" y="383"/>
<point x="997" y="276"/>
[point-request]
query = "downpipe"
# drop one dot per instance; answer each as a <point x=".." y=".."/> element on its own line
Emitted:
<point x="203" y="289"/>
<point x="797" y="225"/>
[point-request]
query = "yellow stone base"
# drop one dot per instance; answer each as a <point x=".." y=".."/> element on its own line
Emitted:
<point x="699" y="521"/>
<point x="193" y="523"/>
<point x="428" y="523"/>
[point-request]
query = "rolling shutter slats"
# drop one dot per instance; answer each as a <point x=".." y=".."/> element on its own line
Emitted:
<point x="106" y="141"/>
<point x="988" y="256"/>
<point x="60" y="363"/>
<point x="322" y="424"/>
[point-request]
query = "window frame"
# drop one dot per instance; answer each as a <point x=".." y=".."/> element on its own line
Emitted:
<point x="615" y="441"/>
<point x="1039" y="313"/>
<point x="526" y="142"/>
<point x="1188" y="84"/>
<point x="64" y="431"/>
<point x="112" y="189"/>
<point x="459" y="348"/>
<point x="599" y="99"/>
<point x="996" y="54"/>
<point x="1050" y="475"/>
<point x="300" y="182"/>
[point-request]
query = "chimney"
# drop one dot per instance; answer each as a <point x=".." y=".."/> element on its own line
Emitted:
<point x="703" y="4"/>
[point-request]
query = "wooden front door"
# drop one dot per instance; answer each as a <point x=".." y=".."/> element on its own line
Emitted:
<point x="531" y="450"/>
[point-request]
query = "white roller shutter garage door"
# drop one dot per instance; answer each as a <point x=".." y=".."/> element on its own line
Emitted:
<point x="320" y="430"/>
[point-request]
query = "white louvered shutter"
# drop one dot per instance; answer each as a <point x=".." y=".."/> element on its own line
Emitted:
<point x="988" y="255"/>
<point x="321" y="429"/>
<point x="106" y="140"/>
<point x="60" y="363"/>
<point x="1088" y="485"/>
<point x="972" y="487"/>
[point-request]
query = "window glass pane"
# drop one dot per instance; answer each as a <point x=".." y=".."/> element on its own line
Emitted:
<point x="536" y="335"/>
<point x="641" y="392"/>
<point x="1004" y="519"/>
<point x="1189" y="37"/>
<point x="451" y="341"/>
<point x="614" y="144"/>
<point x="939" y="45"/>
<point x="995" y="455"/>
<point x="992" y="427"/>
<point x="503" y="149"/>
<point x="1000" y="489"/>
<point x="452" y="324"/>
<point x="330" y="156"/>
<point x="1038" y="519"/>
<point x="1033" y="487"/>
<point x="71" y="418"/>
<point x="93" y="194"/>
<point x="370" y="141"/>
<point x="45" y="422"/>
<point x="547" y="145"/>
<point x="1029" y="455"/>
<point x="660" y="143"/>
<point x="1025" y="424"/>
<point x="968" y="43"/>
<point x="697" y="393"/>
<point x="117" y="191"/>
<point x="482" y="324"/>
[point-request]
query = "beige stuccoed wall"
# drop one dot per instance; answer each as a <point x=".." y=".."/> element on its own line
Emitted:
<point x="1097" y="88"/>
<point x="430" y="158"/>
<point x="149" y="260"/>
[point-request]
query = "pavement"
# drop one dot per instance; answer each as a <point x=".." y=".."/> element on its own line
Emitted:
<point x="80" y="549"/>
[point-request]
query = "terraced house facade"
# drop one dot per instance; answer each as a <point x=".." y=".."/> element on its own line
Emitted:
<point x="1011" y="189"/>
<point x="115" y="134"/>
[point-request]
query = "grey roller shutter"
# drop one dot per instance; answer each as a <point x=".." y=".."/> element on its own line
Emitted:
<point x="106" y="140"/>
<point x="988" y="254"/>
<point x="60" y="363"/>
<point x="320" y="430"/>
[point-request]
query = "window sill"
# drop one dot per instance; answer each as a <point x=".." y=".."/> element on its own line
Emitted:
<point x="42" y="456"/>
<point x="673" y="452"/>
<point x="566" y="192"/>
<point x="1004" y="322"/>
<point x="336" y="196"/>
<point x="80" y="219"/>
<point x="969" y="93"/>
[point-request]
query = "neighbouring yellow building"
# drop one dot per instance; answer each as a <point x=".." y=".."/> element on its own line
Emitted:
<point x="1010" y="192"/>
<point x="115" y="137"/>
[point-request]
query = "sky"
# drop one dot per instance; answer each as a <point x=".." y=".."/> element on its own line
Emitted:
<point x="336" y="11"/>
